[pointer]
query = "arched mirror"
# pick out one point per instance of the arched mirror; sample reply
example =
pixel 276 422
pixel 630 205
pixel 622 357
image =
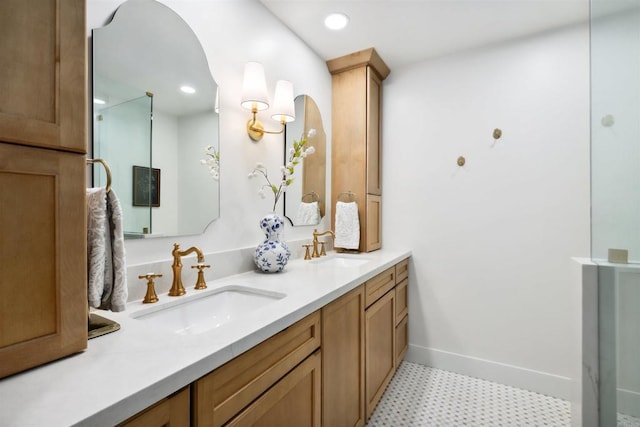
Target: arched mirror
pixel 155 114
pixel 305 199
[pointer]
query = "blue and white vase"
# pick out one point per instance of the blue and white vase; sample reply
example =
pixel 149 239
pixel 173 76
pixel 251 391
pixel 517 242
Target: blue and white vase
pixel 272 255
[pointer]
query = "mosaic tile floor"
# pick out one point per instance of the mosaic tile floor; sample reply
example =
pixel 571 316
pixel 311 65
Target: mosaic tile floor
pixel 420 396
pixel 423 396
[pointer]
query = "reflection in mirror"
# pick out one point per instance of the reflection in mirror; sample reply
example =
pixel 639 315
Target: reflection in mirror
pixel 304 201
pixel 154 116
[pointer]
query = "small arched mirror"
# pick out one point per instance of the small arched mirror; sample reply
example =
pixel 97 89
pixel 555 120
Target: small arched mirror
pixel 305 199
pixel 155 113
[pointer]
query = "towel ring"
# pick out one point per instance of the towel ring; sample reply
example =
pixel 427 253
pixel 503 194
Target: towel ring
pixel 106 168
pixel 351 197
pixel 313 195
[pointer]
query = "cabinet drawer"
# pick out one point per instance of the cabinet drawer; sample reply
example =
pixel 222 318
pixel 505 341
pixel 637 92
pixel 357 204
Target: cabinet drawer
pixel 402 300
pixel 381 284
pixel 172 411
pixel 402 270
pixel 402 339
pixel 293 401
pixel 225 392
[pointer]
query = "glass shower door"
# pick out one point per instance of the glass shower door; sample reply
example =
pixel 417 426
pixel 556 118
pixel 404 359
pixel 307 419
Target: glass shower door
pixel 615 204
pixel 123 132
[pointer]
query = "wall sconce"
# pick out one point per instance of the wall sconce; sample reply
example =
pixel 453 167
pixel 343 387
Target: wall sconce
pixel 255 98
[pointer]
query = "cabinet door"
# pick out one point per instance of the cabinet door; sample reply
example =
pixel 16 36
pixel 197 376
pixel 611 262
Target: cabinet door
pixel 374 157
pixel 293 401
pixel 402 339
pixel 170 412
pixel 373 235
pixel 402 300
pixel 43 291
pixel 379 348
pixel 343 361
pixel 43 73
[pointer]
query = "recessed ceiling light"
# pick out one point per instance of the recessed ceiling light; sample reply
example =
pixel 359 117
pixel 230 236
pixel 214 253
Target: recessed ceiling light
pixel 187 89
pixel 336 21
pixel 98 101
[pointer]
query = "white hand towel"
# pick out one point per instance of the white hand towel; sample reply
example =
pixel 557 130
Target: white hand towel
pixel 347 226
pixel 308 214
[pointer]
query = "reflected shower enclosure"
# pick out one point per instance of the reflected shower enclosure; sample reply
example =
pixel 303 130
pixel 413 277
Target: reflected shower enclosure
pixel 615 204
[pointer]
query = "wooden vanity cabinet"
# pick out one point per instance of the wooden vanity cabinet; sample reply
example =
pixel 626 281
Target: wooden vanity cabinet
pixel 265 382
pixel 43 105
pixel 173 411
pixel 355 142
pixel 343 361
pixel 330 368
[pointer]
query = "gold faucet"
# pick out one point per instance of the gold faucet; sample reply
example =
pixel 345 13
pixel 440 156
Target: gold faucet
pixel 177 288
pixel 317 254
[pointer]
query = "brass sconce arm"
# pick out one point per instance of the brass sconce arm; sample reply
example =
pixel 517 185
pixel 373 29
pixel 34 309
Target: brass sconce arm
pixel 256 129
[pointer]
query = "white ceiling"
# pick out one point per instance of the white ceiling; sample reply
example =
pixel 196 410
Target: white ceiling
pixel 409 31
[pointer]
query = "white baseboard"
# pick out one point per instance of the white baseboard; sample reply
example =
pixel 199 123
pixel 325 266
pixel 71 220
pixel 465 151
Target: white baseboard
pixel 540 382
pixel 629 402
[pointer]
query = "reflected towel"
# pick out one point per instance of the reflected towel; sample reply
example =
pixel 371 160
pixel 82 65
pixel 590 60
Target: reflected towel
pixel 347 226
pixel 308 214
pixel 107 280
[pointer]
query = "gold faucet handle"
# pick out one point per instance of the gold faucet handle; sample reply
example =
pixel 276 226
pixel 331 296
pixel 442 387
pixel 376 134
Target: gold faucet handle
pixel 200 283
pixel 323 252
pixel 307 252
pixel 150 296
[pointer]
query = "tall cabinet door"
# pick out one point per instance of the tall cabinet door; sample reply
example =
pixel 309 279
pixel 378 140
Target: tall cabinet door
pixel 343 361
pixel 43 73
pixel 43 296
pixel 43 128
pixel 379 348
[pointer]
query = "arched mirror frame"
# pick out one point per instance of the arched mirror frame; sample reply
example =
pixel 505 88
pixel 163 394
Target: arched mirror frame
pixel 310 184
pixel 180 188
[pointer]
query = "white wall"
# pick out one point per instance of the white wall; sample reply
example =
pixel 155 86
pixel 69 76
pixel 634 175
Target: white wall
pixel 492 241
pixel 233 32
pixel 490 275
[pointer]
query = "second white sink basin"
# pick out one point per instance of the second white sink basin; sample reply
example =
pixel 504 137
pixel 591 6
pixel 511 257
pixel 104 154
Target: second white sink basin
pixel 208 312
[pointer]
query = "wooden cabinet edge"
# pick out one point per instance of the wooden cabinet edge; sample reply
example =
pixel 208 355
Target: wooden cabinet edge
pixel 366 57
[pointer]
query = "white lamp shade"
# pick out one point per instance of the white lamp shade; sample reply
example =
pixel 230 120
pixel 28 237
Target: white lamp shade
pixel 254 87
pixel 284 108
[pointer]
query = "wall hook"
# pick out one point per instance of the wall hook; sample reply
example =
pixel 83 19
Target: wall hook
pixel 497 133
pixel 461 161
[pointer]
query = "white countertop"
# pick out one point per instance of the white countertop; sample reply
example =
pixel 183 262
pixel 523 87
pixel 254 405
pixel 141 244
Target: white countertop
pixel 123 372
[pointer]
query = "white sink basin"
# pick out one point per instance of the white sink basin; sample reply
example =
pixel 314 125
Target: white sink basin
pixel 209 311
pixel 342 261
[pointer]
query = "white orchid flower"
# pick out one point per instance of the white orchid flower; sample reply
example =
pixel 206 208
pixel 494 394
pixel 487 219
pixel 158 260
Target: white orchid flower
pixel 310 150
pixel 311 133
